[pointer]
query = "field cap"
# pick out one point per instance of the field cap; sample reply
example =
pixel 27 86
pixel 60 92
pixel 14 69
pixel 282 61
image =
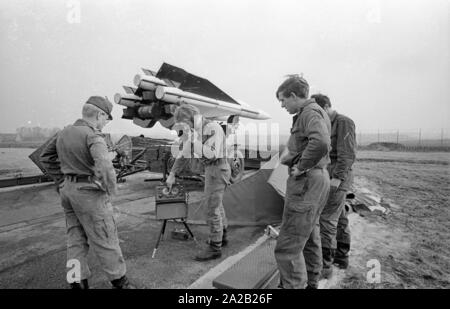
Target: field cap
pixel 186 112
pixel 102 103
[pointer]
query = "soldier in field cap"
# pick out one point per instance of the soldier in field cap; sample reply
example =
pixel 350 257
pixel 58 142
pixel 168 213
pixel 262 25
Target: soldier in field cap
pixel 102 103
pixel 77 157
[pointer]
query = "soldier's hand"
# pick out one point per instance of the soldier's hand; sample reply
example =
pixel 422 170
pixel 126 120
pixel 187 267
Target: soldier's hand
pixel 335 183
pixel 112 155
pixel 58 183
pixel 170 180
pixel 295 172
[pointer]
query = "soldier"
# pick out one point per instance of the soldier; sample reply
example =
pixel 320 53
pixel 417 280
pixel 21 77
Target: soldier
pixel 298 248
pixel 205 139
pixel 86 181
pixel 334 230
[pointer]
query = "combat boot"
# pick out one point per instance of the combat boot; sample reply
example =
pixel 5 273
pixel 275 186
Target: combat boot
pixel 327 272
pixel 342 264
pixel 211 252
pixel 224 238
pixel 83 285
pixel 121 283
pixel 341 256
pixel 327 258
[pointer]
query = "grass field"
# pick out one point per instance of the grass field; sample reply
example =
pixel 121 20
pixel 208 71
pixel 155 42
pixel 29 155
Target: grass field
pixel 412 242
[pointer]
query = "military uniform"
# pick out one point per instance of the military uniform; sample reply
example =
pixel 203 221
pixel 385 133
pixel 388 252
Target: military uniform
pixel 217 178
pixel 334 230
pixel 298 248
pixel 79 154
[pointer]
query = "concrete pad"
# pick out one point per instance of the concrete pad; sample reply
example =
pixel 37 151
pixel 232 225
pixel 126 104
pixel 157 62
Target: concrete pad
pixel 33 241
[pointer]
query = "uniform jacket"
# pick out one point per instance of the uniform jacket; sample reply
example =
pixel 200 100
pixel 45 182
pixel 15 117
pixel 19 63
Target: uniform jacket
pixel 309 143
pixel 80 149
pixel 343 146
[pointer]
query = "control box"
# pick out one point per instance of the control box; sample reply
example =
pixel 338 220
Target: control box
pixel 171 204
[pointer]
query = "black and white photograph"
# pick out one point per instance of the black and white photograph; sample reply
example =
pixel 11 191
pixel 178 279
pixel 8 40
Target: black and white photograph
pixel 224 149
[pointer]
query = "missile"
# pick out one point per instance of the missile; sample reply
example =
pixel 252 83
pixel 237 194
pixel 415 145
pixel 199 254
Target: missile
pixel 177 96
pixel 128 100
pixel 147 82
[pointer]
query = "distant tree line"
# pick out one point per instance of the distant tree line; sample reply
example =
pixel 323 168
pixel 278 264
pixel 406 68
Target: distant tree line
pixel 34 134
pixel 386 146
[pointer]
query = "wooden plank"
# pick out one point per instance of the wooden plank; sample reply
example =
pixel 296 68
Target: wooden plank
pixel 256 270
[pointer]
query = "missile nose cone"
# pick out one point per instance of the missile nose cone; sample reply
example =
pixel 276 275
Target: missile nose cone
pixel 117 98
pixel 263 115
pixel 137 80
pixel 159 92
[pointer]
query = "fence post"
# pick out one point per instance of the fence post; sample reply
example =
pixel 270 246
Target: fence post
pixel 420 137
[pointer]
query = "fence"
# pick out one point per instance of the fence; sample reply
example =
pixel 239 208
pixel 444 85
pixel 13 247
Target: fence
pixel 413 140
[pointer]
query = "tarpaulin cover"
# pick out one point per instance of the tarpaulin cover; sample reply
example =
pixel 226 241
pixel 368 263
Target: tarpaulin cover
pixel 279 177
pixel 253 201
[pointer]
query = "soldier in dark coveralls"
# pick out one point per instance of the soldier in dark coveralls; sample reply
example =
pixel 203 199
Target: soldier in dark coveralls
pixel 298 250
pixel 334 230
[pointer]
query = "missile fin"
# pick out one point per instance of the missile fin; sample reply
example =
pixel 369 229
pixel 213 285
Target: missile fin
pixel 129 90
pixel 149 72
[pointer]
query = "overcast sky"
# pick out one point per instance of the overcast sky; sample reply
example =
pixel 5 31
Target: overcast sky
pixel 383 63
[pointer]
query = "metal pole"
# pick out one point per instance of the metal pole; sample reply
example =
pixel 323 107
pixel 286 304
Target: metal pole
pixel 378 136
pixel 397 136
pixel 442 137
pixel 420 137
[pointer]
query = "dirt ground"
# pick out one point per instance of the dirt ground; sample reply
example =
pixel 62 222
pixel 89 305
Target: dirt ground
pixel 411 243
